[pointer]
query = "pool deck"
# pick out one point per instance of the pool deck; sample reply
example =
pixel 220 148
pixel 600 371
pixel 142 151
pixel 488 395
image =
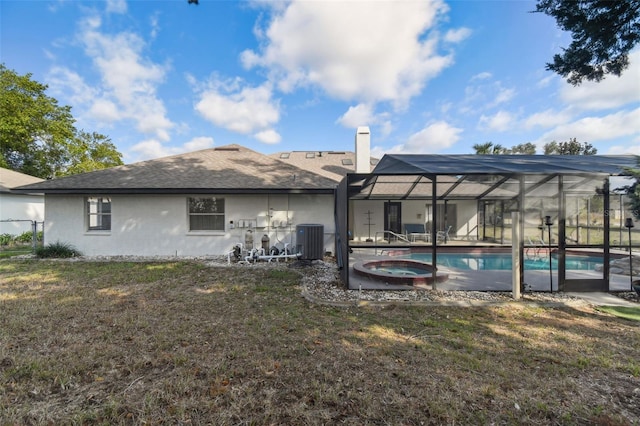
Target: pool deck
pixel 489 280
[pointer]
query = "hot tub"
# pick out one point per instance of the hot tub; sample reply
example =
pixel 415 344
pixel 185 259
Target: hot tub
pixel 398 271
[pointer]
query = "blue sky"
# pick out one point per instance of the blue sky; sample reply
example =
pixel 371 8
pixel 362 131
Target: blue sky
pixel 434 77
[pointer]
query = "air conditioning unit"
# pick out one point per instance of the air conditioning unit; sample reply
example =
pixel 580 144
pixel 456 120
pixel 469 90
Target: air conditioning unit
pixel 310 241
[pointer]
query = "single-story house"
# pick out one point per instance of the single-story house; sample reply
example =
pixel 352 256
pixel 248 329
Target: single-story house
pixel 195 204
pixel 207 202
pixel 18 211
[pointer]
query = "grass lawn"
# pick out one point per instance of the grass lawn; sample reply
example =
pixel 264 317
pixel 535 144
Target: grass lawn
pixel 184 343
pixel 631 313
pixel 15 251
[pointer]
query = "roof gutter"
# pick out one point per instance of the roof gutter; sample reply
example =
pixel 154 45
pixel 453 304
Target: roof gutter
pixel 173 191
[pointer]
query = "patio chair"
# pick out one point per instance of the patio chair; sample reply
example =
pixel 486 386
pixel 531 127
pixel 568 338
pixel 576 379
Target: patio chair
pixel 443 235
pixel 415 231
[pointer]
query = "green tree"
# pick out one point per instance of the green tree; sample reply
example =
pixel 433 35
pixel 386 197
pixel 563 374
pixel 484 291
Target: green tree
pixel 523 148
pixel 38 136
pixel 488 148
pixel 92 151
pixel 572 147
pixel 603 33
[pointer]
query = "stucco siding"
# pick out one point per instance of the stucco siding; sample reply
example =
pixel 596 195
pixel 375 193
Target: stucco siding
pixel 22 207
pixel 159 225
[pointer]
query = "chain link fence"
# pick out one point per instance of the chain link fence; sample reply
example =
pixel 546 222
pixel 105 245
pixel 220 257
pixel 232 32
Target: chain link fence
pixel 33 237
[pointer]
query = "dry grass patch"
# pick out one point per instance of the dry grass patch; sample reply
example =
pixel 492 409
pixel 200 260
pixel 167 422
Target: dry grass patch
pixel 180 342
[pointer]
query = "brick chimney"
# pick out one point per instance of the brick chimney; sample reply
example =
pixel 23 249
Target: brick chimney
pixel 363 150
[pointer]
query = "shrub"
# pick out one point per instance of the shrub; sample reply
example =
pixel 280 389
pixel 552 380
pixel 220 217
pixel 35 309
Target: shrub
pixel 5 239
pixel 25 237
pixel 57 250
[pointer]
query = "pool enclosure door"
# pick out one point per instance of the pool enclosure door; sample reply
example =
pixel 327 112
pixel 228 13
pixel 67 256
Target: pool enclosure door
pixel 393 217
pixel 585 226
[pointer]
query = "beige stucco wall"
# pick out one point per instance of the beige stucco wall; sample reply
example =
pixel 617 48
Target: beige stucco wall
pixel 158 225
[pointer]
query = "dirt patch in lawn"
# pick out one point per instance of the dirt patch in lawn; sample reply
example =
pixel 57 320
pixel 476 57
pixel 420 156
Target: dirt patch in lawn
pixel 187 342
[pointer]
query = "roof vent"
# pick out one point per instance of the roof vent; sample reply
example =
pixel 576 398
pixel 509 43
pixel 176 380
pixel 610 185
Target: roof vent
pixel 227 148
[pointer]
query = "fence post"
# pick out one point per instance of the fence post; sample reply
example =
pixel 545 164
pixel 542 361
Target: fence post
pixel 34 235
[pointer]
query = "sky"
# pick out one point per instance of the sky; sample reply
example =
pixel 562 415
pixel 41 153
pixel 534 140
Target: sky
pixel 430 77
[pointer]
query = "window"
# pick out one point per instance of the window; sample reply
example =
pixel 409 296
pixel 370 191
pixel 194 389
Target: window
pixel 206 214
pixel 99 214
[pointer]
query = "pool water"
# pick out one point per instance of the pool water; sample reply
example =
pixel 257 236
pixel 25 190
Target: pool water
pixel 502 261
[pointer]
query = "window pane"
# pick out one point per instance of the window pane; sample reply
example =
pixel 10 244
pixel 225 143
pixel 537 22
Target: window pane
pixel 99 213
pixel 206 205
pixel 206 214
pixel 206 223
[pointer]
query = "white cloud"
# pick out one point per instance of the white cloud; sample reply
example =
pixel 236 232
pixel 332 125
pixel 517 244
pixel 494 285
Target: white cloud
pixel 359 115
pixel 435 137
pixel 482 76
pixel 456 36
pixel 64 82
pixel 547 118
pixel 481 94
pixel 593 129
pixel 546 81
pixel 116 6
pixel 612 92
pixel 268 136
pixel 364 115
pixel 198 143
pixel 153 148
pixel 385 128
pixel 499 122
pixel 504 95
pixel 243 110
pixel 128 86
pixel 104 110
pixel 624 149
pixel 353 50
pixel 154 22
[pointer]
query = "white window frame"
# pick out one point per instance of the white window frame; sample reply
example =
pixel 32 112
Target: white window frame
pixel 191 214
pixel 96 219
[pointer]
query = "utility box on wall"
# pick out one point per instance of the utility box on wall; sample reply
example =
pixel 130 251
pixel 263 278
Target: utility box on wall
pixel 310 241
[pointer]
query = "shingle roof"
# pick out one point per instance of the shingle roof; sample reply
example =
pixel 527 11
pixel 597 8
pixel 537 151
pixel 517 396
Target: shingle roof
pixel 10 179
pixel 331 164
pixel 229 168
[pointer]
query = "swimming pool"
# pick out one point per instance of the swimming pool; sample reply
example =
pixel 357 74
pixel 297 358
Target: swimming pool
pixel 502 261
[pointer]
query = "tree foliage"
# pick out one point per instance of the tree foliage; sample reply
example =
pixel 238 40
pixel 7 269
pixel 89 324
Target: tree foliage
pixel 603 33
pixel 488 148
pixel 571 147
pixel 38 136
